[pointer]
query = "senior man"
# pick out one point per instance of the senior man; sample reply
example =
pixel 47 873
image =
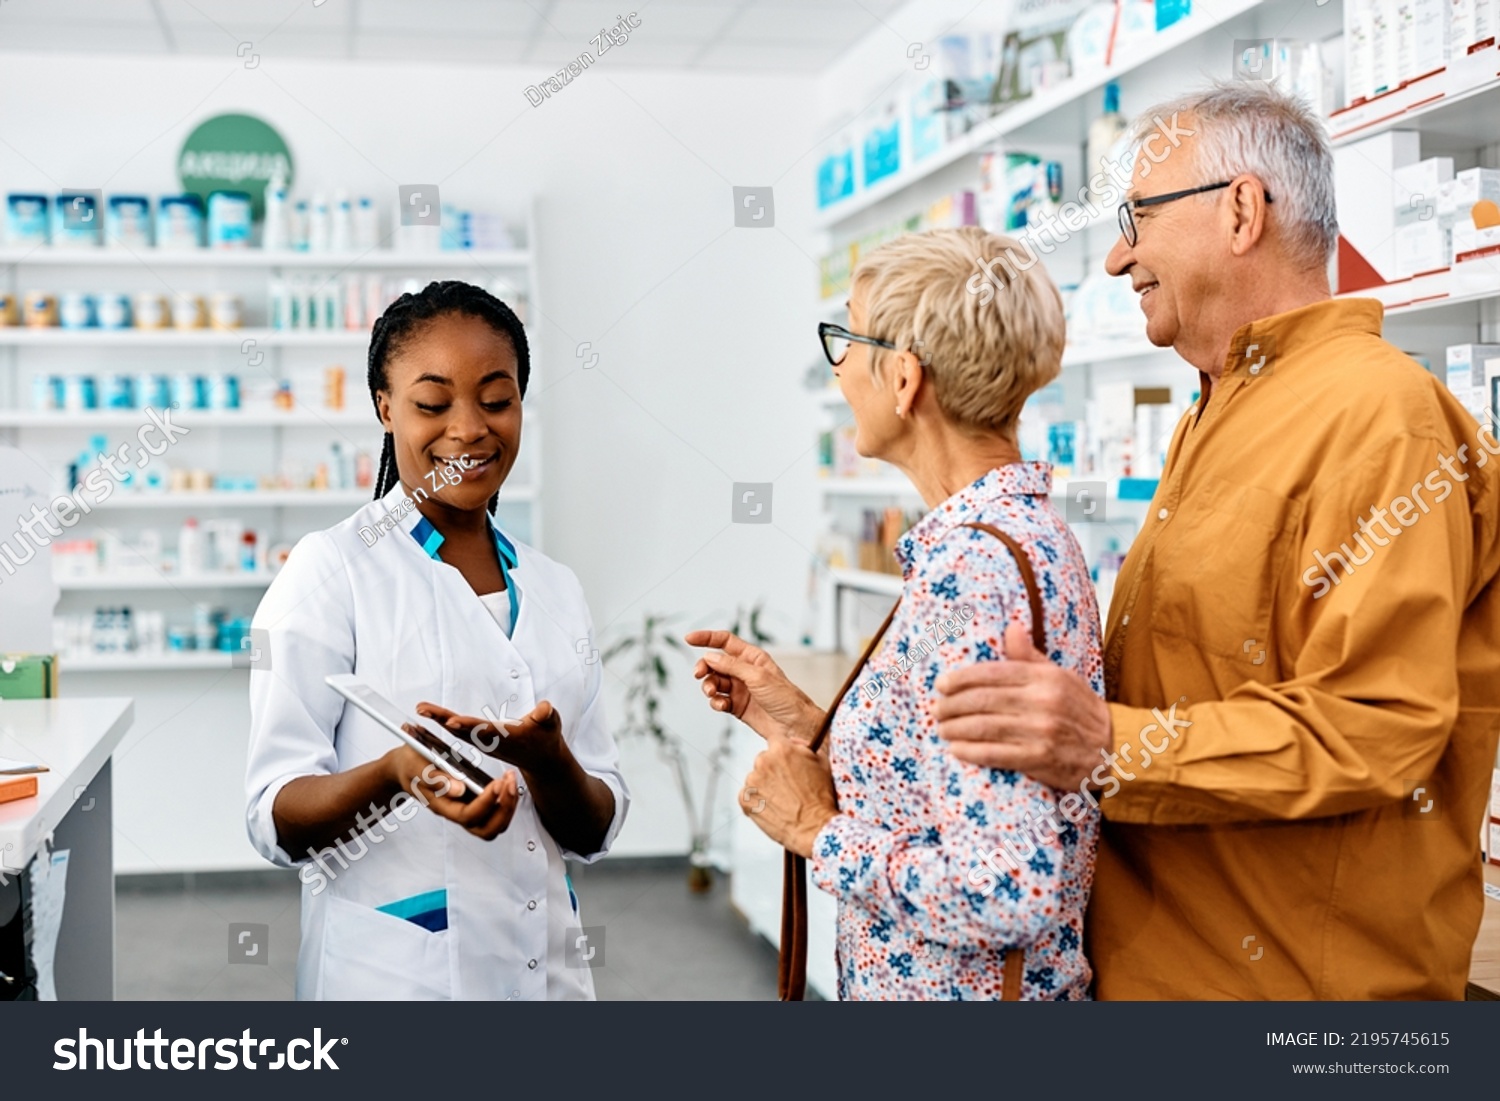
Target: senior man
pixel 1302 657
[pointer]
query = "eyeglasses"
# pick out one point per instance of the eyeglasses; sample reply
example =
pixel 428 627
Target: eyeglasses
pixel 836 340
pixel 1129 206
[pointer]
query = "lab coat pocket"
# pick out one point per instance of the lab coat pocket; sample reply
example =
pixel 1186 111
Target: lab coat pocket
pixel 371 956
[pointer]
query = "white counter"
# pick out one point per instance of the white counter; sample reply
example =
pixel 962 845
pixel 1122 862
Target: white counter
pixel 74 804
pixel 73 738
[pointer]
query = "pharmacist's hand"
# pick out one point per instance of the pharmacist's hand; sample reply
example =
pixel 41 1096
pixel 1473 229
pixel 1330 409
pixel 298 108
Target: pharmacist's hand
pixel 486 815
pixel 1025 714
pixel 742 680
pixel 534 743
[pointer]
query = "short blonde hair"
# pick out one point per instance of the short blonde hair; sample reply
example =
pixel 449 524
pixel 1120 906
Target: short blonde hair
pixel 989 332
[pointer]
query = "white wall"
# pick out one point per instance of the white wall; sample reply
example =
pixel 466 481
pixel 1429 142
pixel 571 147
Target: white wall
pixel 702 332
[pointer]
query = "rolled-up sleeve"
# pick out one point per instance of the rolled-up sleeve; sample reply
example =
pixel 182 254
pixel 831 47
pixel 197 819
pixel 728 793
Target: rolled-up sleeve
pixel 594 748
pixel 303 631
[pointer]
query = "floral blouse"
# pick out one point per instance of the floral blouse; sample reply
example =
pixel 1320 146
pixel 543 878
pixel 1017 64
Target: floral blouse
pixel 939 866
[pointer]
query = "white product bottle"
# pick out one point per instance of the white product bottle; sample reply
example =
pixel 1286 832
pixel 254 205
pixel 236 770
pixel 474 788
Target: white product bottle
pixel 329 311
pixel 366 224
pixel 297 228
pixel 190 548
pixel 273 234
pixel 1104 132
pixel 341 234
pixel 318 224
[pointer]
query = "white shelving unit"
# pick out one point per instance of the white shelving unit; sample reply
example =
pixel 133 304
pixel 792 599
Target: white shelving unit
pixel 254 440
pixel 449 260
pixel 1421 318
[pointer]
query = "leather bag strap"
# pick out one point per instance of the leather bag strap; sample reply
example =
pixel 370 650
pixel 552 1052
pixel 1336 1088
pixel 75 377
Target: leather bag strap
pixel 791 981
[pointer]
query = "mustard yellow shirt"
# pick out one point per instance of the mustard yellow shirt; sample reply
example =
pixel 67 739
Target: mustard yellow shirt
pixel 1313 591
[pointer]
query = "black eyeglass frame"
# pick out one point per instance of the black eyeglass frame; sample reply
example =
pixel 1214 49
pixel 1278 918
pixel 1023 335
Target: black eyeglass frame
pixel 1126 210
pixel 829 328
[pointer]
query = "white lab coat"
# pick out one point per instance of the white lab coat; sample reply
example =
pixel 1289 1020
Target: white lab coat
pixel 411 626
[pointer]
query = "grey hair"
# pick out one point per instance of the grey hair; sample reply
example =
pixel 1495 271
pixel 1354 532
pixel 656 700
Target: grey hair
pixel 1251 126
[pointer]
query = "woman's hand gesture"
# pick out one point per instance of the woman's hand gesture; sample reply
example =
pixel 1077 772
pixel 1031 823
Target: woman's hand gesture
pixel 742 680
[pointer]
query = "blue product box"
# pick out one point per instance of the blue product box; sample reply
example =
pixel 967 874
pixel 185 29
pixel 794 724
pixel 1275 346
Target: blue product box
pixel 27 219
pixel 128 221
pixel 77 219
pixel 179 222
pixel 1170 11
pixel 835 177
pixel 882 148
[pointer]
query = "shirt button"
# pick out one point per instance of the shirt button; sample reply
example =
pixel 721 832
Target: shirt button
pixel 530 846
pixel 1124 620
pixel 1162 515
pixel 531 964
pixel 531 905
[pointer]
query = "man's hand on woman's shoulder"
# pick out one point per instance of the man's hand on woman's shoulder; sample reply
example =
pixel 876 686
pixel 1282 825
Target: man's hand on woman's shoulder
pixel 1024 714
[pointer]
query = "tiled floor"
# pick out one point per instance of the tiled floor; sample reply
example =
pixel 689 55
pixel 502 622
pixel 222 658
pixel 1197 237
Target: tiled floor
pixel 661 942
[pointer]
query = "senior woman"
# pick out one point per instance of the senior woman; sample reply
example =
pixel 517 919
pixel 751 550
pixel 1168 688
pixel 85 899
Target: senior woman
pixel 952 881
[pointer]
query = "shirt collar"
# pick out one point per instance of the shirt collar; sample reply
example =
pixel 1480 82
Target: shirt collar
pixel 1024 479
pixel 428 537
pixel 1257 349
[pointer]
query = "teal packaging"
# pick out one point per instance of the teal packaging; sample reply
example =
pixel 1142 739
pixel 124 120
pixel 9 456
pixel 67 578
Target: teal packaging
pixel 78 220
pixel 229 219
pixel 128 221
pixel 179 222
pixel 26 219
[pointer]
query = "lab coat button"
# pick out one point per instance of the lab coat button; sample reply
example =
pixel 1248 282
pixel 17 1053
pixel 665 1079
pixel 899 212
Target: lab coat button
pixel 515 674
pixel 530 846
pixel 515 993
pixel 531 964
pixel 531 905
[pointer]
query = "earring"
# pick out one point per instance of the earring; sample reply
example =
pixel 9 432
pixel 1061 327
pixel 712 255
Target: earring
pixel 898 411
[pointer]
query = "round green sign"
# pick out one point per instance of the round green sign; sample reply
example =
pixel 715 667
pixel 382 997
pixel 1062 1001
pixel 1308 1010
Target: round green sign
pixel 234 153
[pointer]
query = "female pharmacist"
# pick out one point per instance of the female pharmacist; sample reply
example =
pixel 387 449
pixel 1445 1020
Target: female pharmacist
pixel 422 595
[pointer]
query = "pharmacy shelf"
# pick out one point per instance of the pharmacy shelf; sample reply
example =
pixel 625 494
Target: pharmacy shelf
pixel 867 487
pixel 226 498
pixel 1104 351
pixel 377 259
pixel 866 581
pixel 116 583
pixel 267 498
pixel 192 418
pixel 183 338
pixel 1449 121
pixel 171 661
pixel 1036 109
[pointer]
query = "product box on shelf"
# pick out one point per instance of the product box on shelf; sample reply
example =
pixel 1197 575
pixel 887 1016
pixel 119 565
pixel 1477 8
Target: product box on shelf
pixel 1367 215
pixel 1034 50
pixel 926 119
pixel 882 143
pixel 1423 242
pixel 1475 199
pixel 77 221
pixel 836 169
pixel 1466 374
pixel 968 66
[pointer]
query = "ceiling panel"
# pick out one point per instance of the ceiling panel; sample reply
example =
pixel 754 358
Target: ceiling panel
pixel 496 18
pixel 469 50
pixel 742 35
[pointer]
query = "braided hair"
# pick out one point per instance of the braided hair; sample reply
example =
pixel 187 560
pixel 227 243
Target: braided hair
pixel 409 313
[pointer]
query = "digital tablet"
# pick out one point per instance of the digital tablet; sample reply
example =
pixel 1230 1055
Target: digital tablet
pixel 428 744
